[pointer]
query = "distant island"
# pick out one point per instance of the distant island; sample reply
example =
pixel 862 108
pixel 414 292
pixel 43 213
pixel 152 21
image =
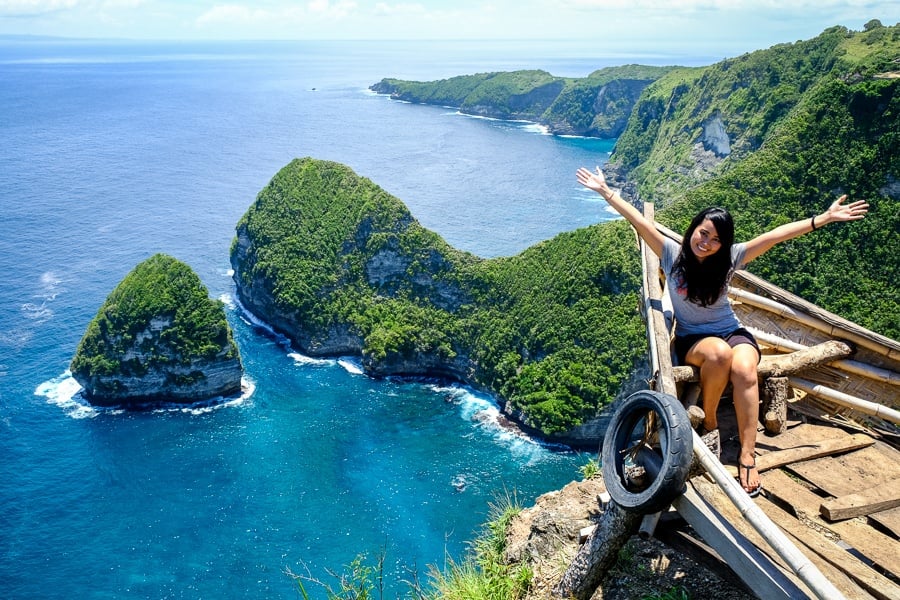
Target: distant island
pixel 158 338
pixel 595 106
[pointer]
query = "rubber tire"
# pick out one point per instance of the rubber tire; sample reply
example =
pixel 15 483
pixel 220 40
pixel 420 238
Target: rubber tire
pixel 674 453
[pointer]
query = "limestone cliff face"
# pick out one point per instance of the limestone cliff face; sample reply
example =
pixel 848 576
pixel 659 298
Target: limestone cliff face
pixel 363 249
pixel 339 266
pixel 158 338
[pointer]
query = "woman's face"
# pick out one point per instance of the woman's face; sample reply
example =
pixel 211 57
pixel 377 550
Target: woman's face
pixel 705 240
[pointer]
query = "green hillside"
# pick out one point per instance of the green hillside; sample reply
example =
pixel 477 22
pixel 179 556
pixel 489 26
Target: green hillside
pixel 327 256
pixel 807 122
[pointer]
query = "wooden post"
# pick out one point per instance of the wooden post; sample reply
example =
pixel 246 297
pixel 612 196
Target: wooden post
pixel 776 394
pixel 598 554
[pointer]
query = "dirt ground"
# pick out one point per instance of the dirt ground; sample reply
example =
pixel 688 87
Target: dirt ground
pixel 546 537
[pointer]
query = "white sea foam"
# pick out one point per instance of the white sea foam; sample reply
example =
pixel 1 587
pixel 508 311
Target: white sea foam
pixel 37 312
pixel 254 321
pixel 351 365
pixel 64 392
pixel 484 412
pixel 228 300
pixel 302 359
pixel 248 386
pixel 536 128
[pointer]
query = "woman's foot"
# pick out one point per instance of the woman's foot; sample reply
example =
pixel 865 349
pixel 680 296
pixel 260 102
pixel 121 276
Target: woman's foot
pixel 748 477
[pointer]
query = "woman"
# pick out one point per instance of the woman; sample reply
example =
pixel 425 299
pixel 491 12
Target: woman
pixel 707 332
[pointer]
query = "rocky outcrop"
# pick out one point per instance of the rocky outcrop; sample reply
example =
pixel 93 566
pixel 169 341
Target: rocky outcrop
pixel 546 537
pixel 158 338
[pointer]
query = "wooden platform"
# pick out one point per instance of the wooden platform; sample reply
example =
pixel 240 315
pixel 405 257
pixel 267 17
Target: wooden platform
pixel 860 555
pixel 831 476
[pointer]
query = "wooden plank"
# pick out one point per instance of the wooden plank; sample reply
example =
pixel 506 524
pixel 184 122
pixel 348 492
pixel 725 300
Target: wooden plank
pixel 742 555
pixel 842 475
pixel 875 584
pixel 672 531
pixel 809 451
pixel 875 499
pixel 797 436
pixel 724 487
pixel 877 547
pixel 813 450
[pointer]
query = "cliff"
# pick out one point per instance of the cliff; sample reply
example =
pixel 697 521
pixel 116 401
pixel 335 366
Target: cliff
pixel 341 267
pixel 774 136
pixel 596 106
pixel 158 338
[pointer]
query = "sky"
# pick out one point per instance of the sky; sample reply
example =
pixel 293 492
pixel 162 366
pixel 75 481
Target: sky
pixel 727 26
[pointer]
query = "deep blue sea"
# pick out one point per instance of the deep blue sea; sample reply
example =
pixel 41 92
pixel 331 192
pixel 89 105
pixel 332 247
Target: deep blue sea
pixel 113 151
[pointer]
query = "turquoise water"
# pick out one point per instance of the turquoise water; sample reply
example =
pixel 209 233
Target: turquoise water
pixel 112 152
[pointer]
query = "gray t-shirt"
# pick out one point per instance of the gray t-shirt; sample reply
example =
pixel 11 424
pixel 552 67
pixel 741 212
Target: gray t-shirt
pixel 690 318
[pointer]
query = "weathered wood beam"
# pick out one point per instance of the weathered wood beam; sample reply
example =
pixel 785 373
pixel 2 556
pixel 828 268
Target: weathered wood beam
pixel 598 554
pixel 808 573
pixel 875 499
pixel 810 451
pixel 868 578
pixel 878 547
pixel 778 365
pixel 776 395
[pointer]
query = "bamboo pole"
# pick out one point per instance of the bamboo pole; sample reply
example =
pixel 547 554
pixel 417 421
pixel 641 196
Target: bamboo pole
pixel 808 573
pixel 864 406
pixel 787 312
pixel 657 331
pixel 850 366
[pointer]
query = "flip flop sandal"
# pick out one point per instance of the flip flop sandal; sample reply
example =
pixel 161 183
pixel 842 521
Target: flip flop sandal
pixel 755 491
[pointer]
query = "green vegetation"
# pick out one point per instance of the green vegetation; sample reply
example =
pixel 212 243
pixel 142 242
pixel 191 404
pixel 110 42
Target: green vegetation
pixel 482 574
pixel 597 105
pixel 807 122
pixel 161 294
pixel 554 331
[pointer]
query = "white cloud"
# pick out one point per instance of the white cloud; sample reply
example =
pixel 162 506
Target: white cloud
pixel 31 8
pixel 336 10
pixel 232 13
pixel 386 9
pixel 674 6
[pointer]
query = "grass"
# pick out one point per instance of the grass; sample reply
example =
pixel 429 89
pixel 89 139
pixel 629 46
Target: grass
pixel 481 575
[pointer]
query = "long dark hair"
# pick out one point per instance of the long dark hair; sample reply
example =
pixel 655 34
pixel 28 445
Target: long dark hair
pixel 706 281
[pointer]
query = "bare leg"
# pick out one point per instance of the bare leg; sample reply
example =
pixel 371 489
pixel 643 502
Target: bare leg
pixel 713 356
pixel 745 384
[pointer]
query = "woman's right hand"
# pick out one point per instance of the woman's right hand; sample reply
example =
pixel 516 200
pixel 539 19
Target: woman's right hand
pixel 594 181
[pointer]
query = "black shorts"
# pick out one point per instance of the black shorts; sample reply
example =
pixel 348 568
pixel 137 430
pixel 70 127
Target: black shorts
pixel 683 343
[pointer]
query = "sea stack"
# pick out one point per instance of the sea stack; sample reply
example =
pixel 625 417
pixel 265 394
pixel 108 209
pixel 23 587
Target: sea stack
pixel 159 337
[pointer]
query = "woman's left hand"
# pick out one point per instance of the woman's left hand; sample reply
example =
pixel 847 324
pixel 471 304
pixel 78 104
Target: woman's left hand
pixel 838 211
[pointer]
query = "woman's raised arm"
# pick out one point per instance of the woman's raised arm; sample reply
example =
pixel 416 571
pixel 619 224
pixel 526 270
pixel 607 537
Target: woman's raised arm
pixel 647 230
pixel 837 212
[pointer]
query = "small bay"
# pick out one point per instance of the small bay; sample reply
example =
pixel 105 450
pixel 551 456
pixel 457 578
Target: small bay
pixel 114 151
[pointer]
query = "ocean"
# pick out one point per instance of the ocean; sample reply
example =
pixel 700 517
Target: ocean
pixel 113 151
